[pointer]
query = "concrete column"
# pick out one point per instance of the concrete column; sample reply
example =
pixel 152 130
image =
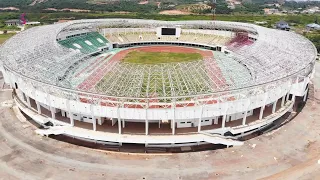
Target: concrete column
pixel 28 101
pixel 282 101
pixel 123 123
pixel 53 114
pixel 173 126
pixel 244 119
pixel 305 95
pixel 70 113
pixel 147 122
pixel 274 106
pixel 159 124
pixel 38 107
pixel 293 99
pixel 215 120
pixel 200 119
pixel 147 127
pixel 227 118
pixel 224 121
pixel 119 125
pixel 263 107
pixel 119 120
pixel 94 123
pixel 261 112
pixel 71 118
pixel 99 120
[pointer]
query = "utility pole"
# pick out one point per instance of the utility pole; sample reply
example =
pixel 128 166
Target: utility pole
pixel 213 9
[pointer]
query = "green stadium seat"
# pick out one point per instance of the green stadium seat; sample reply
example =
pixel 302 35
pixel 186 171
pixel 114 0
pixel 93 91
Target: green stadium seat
pixel 95 39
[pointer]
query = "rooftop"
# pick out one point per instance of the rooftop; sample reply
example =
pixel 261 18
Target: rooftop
pixel 270 59
pixel 13 21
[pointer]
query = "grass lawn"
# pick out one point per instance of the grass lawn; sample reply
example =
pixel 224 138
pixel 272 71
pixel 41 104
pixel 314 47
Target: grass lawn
pixel 160 57
pixel 4 37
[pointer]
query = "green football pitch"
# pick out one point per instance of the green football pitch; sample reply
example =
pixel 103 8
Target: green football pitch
pixel 141 57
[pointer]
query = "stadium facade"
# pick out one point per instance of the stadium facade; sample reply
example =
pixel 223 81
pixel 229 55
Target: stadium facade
pixel 70 78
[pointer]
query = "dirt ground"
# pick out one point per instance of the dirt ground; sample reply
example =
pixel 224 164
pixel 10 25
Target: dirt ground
pixel 174 12
pixel 290 152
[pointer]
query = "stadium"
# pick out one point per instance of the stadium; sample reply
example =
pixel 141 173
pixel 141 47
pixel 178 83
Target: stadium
pixel 157 83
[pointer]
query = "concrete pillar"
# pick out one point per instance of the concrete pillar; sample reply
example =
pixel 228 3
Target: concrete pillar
pixel 261 112
pixel 53 114
pixel 119 125
pixel 147 123
pixel 119 120
pixel 38 107
pixel 93 119
pixel 28 101
pixel 244 119
pixel 99 120
pixel 199 124
pixel 123 123
pixel 147 127
pixel 173 126
pixel 224 121
pixel 71 118
pixel 305 95
pixel 200 119
pixel 293 99
pixel 228 118
pixel 216 120
pixel 274 106
pixel 282 101
pixel 159 124
pixel 94 123
pixel 70 114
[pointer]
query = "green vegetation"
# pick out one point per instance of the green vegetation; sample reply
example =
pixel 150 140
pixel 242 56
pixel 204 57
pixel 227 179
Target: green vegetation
pixel 4 37
pixel 221 8
pixel 300 4
pixel 159 57
pixel 15 3
pixel 249 8
pixel 3 27
pixel 315 38
pixel 297 21
pixel 48 18
pixel 108 6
